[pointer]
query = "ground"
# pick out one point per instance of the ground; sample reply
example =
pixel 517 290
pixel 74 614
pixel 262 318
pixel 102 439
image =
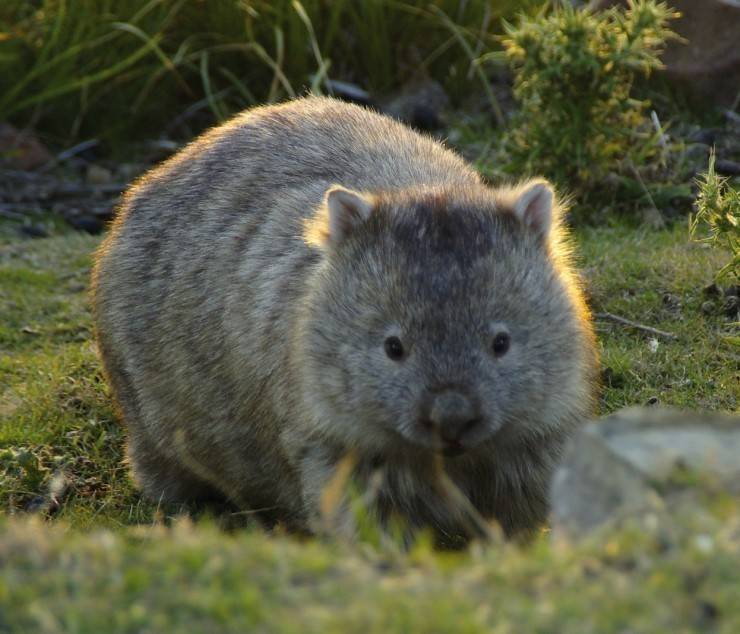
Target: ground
pixel 61 458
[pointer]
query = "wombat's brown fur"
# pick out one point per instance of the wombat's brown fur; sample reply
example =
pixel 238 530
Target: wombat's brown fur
pixel 313 279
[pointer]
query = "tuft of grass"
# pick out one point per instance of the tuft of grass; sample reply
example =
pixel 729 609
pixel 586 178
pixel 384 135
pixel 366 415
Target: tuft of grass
pixel 125 69
pixel 718 214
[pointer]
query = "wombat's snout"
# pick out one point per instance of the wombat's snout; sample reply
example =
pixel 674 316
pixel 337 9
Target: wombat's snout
pixel 450 415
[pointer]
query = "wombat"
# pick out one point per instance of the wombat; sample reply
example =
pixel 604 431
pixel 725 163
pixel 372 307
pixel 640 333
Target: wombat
pixel 312 280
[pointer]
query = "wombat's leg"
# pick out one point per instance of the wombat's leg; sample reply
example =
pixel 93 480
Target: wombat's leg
pixel 324 489
pixel 160 477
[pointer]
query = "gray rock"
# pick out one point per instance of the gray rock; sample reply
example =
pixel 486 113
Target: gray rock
pixel 98 175
pixel 21 149
pixel 706 61
pixel 420 104
pixel 639 460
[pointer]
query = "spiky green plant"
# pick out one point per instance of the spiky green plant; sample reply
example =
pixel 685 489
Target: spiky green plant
pixel 574 72
pixel 717 218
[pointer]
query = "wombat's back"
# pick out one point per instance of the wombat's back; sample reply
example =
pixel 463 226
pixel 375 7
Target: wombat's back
pixel 195 285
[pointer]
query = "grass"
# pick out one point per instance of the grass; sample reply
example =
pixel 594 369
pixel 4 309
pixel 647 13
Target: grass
pixel 680 576
pixel 54 410
pixel 118 70
pixel 658 278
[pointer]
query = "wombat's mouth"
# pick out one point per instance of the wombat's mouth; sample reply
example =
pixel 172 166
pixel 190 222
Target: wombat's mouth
pixel 418 439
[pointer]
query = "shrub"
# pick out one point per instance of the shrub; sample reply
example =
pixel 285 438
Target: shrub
pixel 718 214
pixel 574 72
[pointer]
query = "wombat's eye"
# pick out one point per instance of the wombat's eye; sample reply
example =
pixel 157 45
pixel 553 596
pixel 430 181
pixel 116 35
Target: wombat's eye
pixel 393 348
pixel 501 343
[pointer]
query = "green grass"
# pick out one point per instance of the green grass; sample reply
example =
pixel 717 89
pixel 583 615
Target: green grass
pixel 652 576
pixel 657 278
pixel 55 414
pixel 125 69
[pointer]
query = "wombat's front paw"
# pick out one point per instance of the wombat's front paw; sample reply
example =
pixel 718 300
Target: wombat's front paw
pixel 325 481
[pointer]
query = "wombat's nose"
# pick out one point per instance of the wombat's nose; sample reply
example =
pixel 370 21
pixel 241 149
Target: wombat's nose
pixel 450 414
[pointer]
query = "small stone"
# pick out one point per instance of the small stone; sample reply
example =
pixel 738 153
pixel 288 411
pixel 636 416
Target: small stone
pixel 98 175
pixel 697 153
pixel 88 224
pixel 419 104
pixel 653 345
pixel 704 543
pixel 731 305
pixel 33 231
pixel 671 301
pixel 712 290
pixel 21 150
pixel 36 504
pixel 725 167
pixel 349 92
pixel 652 401
pixel 708 307
pixel 127 172
pixel 704 136
pixel 708 611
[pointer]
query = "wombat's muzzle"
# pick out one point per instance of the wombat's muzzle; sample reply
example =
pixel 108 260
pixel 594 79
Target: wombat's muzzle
pixel 449 416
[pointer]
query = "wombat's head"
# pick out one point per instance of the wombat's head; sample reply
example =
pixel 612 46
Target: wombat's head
pixel 443 320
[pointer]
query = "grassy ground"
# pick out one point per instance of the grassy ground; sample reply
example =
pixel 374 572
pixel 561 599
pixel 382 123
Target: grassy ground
pixel 657 577
pixel 56 417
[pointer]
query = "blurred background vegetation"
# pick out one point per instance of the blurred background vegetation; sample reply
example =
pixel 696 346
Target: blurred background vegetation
pixel 533 87
pixel 530 87
pixel 124 69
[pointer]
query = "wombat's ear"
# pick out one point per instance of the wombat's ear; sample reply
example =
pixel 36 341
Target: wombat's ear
pixel 533 206
pixel 346 209
pixel 341 212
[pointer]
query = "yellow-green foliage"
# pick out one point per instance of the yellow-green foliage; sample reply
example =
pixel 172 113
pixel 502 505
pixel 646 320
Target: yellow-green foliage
pixel 574 73
pixel 718 211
